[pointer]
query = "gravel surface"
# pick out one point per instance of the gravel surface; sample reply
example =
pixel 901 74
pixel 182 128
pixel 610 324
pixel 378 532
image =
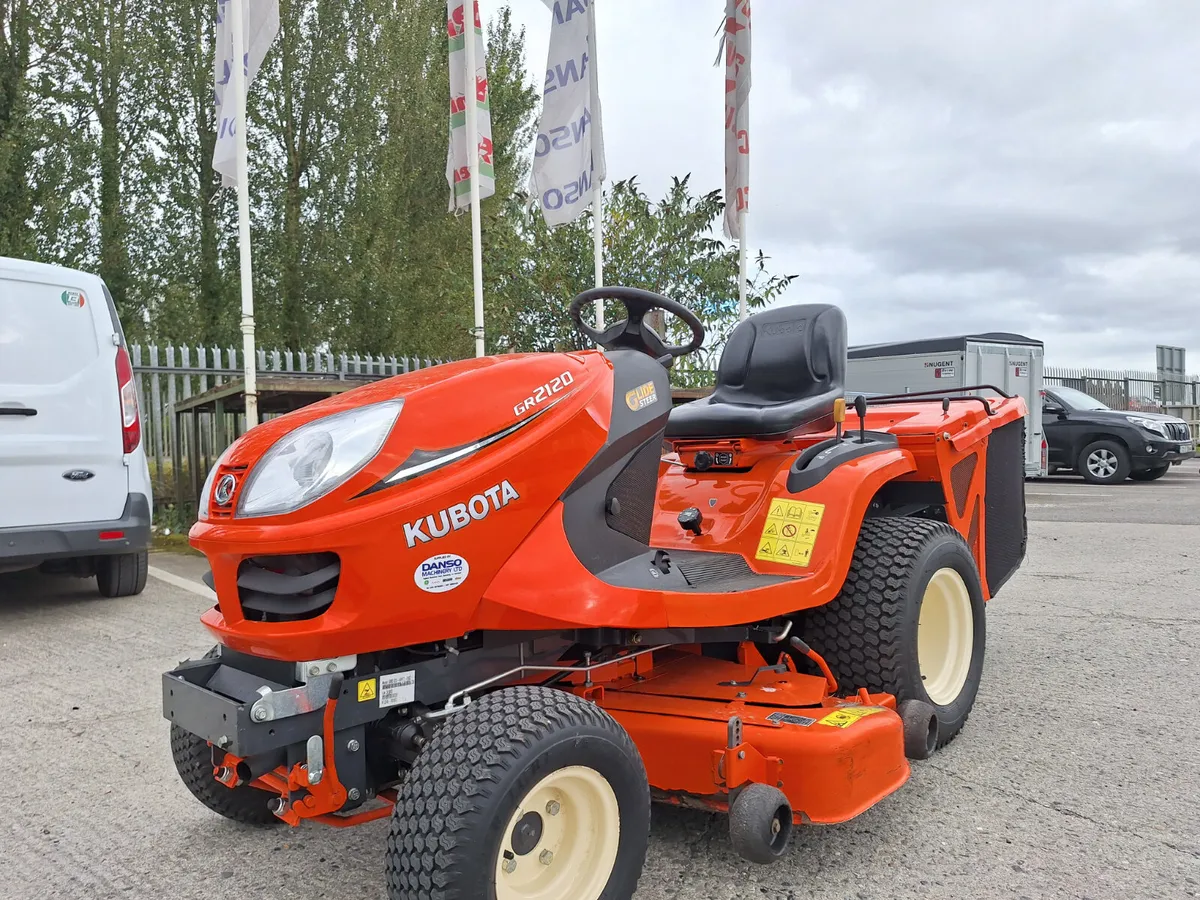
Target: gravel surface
pixel 1078 775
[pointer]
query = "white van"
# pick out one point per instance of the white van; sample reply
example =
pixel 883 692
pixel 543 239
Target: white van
pixel 74 485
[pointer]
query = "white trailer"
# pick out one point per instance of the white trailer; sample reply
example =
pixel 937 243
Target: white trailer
pixel 1011 362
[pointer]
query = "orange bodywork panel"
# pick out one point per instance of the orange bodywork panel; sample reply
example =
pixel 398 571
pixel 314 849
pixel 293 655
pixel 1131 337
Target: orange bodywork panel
pixel 524 575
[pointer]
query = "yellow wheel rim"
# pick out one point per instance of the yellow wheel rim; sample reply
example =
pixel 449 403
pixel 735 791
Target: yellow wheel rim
pixel 561 843
pixel 945 636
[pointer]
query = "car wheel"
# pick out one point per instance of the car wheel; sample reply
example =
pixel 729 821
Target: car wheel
pixel 1150 474
pixel 1104 462
pixel 123 575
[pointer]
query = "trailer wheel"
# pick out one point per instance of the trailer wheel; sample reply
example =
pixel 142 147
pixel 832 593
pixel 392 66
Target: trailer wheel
pixel 909 619
pixel 193 761
pixel 530 792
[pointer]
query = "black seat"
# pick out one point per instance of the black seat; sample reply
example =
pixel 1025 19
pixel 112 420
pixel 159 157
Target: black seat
pixel 779 373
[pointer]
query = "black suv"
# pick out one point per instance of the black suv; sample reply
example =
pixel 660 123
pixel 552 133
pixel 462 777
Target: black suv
pixel 1105 445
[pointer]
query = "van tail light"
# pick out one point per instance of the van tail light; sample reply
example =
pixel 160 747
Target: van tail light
pixel 131 426
pixel 1045 458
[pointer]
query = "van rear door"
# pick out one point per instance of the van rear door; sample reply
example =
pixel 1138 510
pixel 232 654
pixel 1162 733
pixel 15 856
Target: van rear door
pixel 61 445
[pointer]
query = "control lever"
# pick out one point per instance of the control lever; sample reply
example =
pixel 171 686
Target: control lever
pixel 860 407
pixel 839 416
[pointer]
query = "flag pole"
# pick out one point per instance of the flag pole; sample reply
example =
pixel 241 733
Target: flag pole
pixel 471 92
pixel 598 186
pixel 237 30
pixel 743 308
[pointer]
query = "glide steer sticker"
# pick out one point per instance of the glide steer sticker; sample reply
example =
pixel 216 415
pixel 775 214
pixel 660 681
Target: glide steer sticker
pixel 460 515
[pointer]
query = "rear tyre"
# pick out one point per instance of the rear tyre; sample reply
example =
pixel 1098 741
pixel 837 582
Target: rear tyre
pixel 193 762
pixel 1103 462
pixel 527 793
pixel 909 619
pixel 123 575
pixel 1150 474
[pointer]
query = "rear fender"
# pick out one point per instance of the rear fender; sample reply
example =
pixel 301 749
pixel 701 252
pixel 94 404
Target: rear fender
pixel 844 497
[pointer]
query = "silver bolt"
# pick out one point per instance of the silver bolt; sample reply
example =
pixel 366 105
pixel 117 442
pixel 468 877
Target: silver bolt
pixel 509 865
pixel 775 826
pixel 223 741
pixel 260 715
pixel 352 745
pixel 553 808
pixel 353 794
pixel 546 858
pixel 314 670
pixel 741 754
pixel 332 667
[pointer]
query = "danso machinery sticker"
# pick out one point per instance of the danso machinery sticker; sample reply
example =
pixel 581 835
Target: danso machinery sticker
pixel 641 396
pixel 441 573
pixel 848 715
pixel 790 532
pixel 73 298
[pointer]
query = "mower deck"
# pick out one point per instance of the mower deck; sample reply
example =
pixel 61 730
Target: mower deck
pixel 704 727
pixel 701 737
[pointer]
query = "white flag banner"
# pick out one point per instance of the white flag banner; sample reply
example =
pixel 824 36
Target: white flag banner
pixel 458 174
pixel 261 27
pixel 568 158
pixel 737 114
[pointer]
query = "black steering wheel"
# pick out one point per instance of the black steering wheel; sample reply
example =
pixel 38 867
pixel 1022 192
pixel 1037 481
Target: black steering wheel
pixel 631 332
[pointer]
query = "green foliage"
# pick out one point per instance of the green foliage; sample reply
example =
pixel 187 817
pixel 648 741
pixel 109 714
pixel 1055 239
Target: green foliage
pixel 669 247
pixel 106 140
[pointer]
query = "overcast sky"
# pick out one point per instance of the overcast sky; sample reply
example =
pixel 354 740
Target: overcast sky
pixel 939 167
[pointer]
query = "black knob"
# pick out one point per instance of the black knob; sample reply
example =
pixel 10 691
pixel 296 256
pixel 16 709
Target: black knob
pixel 690 520
pixel 703 460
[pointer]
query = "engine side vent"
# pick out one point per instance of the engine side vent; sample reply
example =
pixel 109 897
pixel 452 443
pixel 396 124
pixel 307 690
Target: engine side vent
pixel 633 490
pixel 1006 531
pixel 960 481
pixel 287 588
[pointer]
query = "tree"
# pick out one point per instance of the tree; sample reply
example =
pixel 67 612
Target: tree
pixel 17 23
pixel 667 247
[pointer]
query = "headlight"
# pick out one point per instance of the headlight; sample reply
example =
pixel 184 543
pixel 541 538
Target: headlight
pixel 316 458
pixel 1153 425
pixel 206 491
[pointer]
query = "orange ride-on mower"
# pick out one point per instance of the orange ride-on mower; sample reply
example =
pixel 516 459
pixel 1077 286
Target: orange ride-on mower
pixel 508 601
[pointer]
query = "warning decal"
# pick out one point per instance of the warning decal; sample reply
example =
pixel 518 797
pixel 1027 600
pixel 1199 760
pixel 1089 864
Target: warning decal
pixel 790 533
pixel 848 715
pixel 366 690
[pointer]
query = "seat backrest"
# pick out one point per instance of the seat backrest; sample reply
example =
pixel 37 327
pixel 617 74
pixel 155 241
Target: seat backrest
pixel 782 355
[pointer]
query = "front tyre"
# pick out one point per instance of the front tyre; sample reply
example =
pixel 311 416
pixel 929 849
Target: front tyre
pixel 529 792
pixel 1150 474
pixel 193 762
pixel 1104 462
pixel 909 619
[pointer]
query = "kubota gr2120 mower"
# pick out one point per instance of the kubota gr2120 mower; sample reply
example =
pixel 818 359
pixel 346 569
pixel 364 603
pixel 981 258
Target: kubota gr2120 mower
pixel 508 601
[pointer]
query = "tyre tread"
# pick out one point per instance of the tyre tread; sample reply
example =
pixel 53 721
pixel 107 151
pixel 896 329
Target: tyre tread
pixel 859 631
pixel 458 771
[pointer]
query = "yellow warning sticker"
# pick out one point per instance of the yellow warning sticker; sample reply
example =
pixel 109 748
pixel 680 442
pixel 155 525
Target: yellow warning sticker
pixel 366 690
pixel 790 532
pixel 848 715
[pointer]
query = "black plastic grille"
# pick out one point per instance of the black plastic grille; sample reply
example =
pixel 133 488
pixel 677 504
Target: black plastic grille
pixel 287 588
pixel 960 480
pixel 1004 507
pixel 634 491
pixel 1177 431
